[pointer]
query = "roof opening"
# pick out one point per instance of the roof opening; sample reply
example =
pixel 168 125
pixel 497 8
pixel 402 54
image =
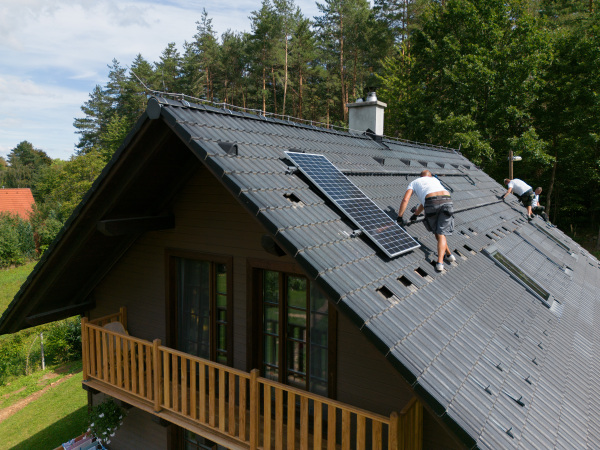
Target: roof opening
pixel 489 237
pixel 423 163
pixel 469 249
pixel 379 160
pixel 407 283
pixel 464 234
pixel 423 274
pixel 506 229
pixel 293 198
pixel 473 231
pixel 385 292
pixel 405 161
pixel 457 251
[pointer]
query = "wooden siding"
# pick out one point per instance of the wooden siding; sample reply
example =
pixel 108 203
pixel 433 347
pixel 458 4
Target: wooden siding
pixel 208 219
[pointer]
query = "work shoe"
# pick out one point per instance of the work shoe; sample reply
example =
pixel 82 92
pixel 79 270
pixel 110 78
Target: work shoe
pixel 530 217
pixel 449 258
pixel 439 267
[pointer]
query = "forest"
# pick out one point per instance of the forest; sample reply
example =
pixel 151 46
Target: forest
pixel 488 77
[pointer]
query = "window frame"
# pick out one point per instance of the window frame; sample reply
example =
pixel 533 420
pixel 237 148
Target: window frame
pixel 255 269
pixel 171 258
pixel 531 285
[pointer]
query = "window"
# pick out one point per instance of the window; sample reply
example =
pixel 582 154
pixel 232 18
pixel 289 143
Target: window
pixel 554 238
pixel 201 320
pixel 294 331
pixel 519 274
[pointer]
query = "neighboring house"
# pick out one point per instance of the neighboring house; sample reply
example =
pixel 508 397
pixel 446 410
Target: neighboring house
pixel 18 202
pixel 229 302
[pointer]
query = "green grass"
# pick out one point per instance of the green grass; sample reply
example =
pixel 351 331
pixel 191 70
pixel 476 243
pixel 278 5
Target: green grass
pixel 57 416
pixel 10 282
pixel 21 387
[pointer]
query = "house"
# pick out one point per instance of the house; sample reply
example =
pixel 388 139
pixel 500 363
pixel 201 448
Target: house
pixel 18 202
pixel 230 303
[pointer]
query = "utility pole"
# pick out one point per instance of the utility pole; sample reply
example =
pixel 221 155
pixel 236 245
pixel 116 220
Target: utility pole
pixel 42 344
pixel 510 164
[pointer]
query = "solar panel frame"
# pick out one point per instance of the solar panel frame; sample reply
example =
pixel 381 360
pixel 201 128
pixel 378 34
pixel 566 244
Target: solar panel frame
pixel 392 239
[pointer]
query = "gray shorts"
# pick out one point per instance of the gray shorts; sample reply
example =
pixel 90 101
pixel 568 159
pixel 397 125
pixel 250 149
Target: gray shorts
pixel 439 215
pixel 527 198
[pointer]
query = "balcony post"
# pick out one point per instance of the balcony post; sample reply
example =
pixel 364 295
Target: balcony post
pixel 123 314
pixel 411 425
pixel 394 430
pixel 156 375
pixel 84 348
pixel 254 409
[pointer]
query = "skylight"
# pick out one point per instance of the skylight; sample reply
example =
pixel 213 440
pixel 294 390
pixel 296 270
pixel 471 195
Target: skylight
pixel 525 279
pixel 554 238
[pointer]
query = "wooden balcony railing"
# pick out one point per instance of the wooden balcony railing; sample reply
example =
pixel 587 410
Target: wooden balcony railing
pixel 246 409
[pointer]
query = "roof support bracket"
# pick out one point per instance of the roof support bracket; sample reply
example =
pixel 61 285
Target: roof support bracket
pixel 121 227
pixel 59 313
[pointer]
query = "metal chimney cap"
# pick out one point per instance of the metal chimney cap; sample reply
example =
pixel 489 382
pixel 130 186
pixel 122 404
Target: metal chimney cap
pixel 359 100
pixel 372 97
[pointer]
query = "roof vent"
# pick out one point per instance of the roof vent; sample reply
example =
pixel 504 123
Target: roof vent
pixel 230 148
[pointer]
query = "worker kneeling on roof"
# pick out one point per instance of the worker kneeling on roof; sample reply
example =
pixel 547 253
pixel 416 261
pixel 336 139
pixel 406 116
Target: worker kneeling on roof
pixel 439 212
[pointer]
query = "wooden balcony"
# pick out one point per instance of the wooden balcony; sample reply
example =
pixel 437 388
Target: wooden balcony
pixel 231 407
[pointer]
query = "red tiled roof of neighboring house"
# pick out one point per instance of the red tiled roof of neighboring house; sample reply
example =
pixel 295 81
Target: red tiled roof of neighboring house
pixel 17 201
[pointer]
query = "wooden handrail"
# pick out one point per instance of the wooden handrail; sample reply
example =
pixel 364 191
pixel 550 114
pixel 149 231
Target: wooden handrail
pixel 233 402
pixel 325 400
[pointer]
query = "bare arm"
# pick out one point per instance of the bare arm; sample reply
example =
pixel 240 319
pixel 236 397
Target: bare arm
pixel 507 192
pixel 404 202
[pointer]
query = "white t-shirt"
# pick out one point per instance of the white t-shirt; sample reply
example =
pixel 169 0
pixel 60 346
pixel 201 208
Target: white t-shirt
pixel 534 202
pixel 519 187
pixel 425 185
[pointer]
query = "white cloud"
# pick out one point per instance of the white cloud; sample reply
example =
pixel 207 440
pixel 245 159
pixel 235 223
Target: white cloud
pixel 54 52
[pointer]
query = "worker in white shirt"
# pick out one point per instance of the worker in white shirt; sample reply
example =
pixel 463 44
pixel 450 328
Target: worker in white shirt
pixel 535 204
pixel 439 212
pixel 521 190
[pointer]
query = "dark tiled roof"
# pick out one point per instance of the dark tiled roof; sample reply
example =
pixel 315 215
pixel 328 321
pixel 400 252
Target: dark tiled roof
pixel 484 350
pixel 486 353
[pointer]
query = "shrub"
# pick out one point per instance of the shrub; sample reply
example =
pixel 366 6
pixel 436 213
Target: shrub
pixel 62 342
pixel 17 244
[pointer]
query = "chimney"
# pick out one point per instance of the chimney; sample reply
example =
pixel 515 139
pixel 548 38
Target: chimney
pixel 367 115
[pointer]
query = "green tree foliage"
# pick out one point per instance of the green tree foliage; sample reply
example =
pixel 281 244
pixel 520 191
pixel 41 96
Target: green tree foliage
pixel 485 76
pixel 568 109
pixel 24 164
pixel 17 244
pixel 65 183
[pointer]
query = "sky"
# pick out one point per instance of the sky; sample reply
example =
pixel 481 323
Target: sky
pixel 54 52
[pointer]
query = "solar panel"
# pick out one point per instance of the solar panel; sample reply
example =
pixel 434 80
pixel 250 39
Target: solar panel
pixel 360 209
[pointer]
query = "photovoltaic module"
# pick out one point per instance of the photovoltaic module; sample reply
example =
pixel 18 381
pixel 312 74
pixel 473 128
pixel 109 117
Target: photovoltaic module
pixel 360 209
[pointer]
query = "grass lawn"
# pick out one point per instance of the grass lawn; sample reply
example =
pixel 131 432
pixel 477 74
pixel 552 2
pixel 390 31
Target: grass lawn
pixel 11 281
pixel 21 387
pixel 45 423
